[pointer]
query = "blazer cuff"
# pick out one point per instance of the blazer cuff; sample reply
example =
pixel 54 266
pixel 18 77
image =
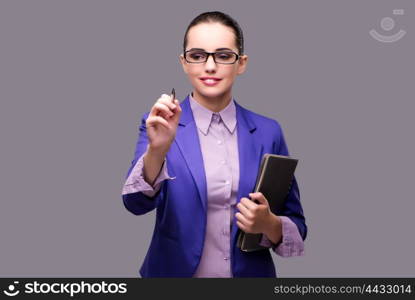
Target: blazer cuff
pixel 292 243
pixel 136 182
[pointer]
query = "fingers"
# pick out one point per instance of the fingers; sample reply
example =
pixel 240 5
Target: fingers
pixel 242 226
pixel 166 99
pixel 258 196
pixel 242 219
pixel 249 204
pixel 178 107
pixel 165 107
pixel 173 105
pixel 163 110
pixel 157 120
pixel 244 210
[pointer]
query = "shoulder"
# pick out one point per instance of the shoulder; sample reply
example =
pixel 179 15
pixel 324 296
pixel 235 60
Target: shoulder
pixel 267 129
pixel 261 122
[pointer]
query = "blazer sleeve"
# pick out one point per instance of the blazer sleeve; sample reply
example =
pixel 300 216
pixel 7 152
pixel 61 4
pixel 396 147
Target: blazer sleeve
pixel 293 208
pixel 137 183
pixel 139 203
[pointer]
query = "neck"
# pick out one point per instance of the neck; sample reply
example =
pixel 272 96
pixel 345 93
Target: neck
pixel 215 104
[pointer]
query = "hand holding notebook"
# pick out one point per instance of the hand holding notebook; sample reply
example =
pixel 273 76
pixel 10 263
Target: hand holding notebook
pixel 274 181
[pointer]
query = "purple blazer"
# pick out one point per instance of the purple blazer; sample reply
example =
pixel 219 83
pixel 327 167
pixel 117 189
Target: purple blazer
pixel 177 242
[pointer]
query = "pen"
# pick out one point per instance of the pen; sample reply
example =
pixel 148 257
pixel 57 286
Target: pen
pixel 173 92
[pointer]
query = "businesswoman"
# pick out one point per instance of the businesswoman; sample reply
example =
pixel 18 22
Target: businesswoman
pixel 196 163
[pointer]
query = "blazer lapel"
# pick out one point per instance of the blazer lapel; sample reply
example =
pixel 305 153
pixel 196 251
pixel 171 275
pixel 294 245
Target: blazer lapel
pixel 187 140
pixel 250 150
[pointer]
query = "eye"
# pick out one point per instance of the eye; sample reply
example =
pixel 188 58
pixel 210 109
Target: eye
pixel 224 55
pixel 197 55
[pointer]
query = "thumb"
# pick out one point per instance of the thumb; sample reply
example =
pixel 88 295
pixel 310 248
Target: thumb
pixel 259 197
pixel 177 111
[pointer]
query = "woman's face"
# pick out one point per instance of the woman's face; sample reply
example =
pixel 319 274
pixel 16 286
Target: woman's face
pixel 210 37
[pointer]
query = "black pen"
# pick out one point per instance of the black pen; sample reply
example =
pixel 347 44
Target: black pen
pixel 173 92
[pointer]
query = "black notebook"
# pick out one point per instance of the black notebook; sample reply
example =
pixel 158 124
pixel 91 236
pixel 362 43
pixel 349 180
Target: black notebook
pixel 274 181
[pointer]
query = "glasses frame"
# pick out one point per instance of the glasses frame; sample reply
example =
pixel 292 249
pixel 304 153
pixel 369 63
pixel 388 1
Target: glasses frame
pixel 209 54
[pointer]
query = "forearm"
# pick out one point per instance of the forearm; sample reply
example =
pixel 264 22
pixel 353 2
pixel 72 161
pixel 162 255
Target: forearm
pixel 153 161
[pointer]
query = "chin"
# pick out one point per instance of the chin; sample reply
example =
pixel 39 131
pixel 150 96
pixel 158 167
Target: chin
pixel 211 92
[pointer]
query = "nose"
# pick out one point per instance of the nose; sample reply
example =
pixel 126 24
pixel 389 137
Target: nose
pixel 210 64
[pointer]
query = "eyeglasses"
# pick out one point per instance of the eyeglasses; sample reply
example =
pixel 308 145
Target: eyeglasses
pixel 220 57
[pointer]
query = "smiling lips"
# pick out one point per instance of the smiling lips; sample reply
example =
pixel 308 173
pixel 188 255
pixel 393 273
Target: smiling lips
pixel 210 81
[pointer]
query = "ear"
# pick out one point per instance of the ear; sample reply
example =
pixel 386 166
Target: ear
pixel 183 63
pixel 243 61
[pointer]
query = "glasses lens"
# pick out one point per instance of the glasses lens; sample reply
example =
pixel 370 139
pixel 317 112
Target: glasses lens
pixel 225 57
pixel 196 56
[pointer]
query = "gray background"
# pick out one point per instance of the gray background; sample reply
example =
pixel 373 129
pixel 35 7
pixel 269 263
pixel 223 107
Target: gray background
pixel 76 76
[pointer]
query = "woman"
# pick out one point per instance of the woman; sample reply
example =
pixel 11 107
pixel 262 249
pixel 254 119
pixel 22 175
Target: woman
pixel 196 162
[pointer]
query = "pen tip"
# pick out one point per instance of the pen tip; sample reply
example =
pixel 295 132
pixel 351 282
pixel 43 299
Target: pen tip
pixel 173 95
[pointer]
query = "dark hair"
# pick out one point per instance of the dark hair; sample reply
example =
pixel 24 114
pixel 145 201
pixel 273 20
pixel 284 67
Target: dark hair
pixel 222 18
